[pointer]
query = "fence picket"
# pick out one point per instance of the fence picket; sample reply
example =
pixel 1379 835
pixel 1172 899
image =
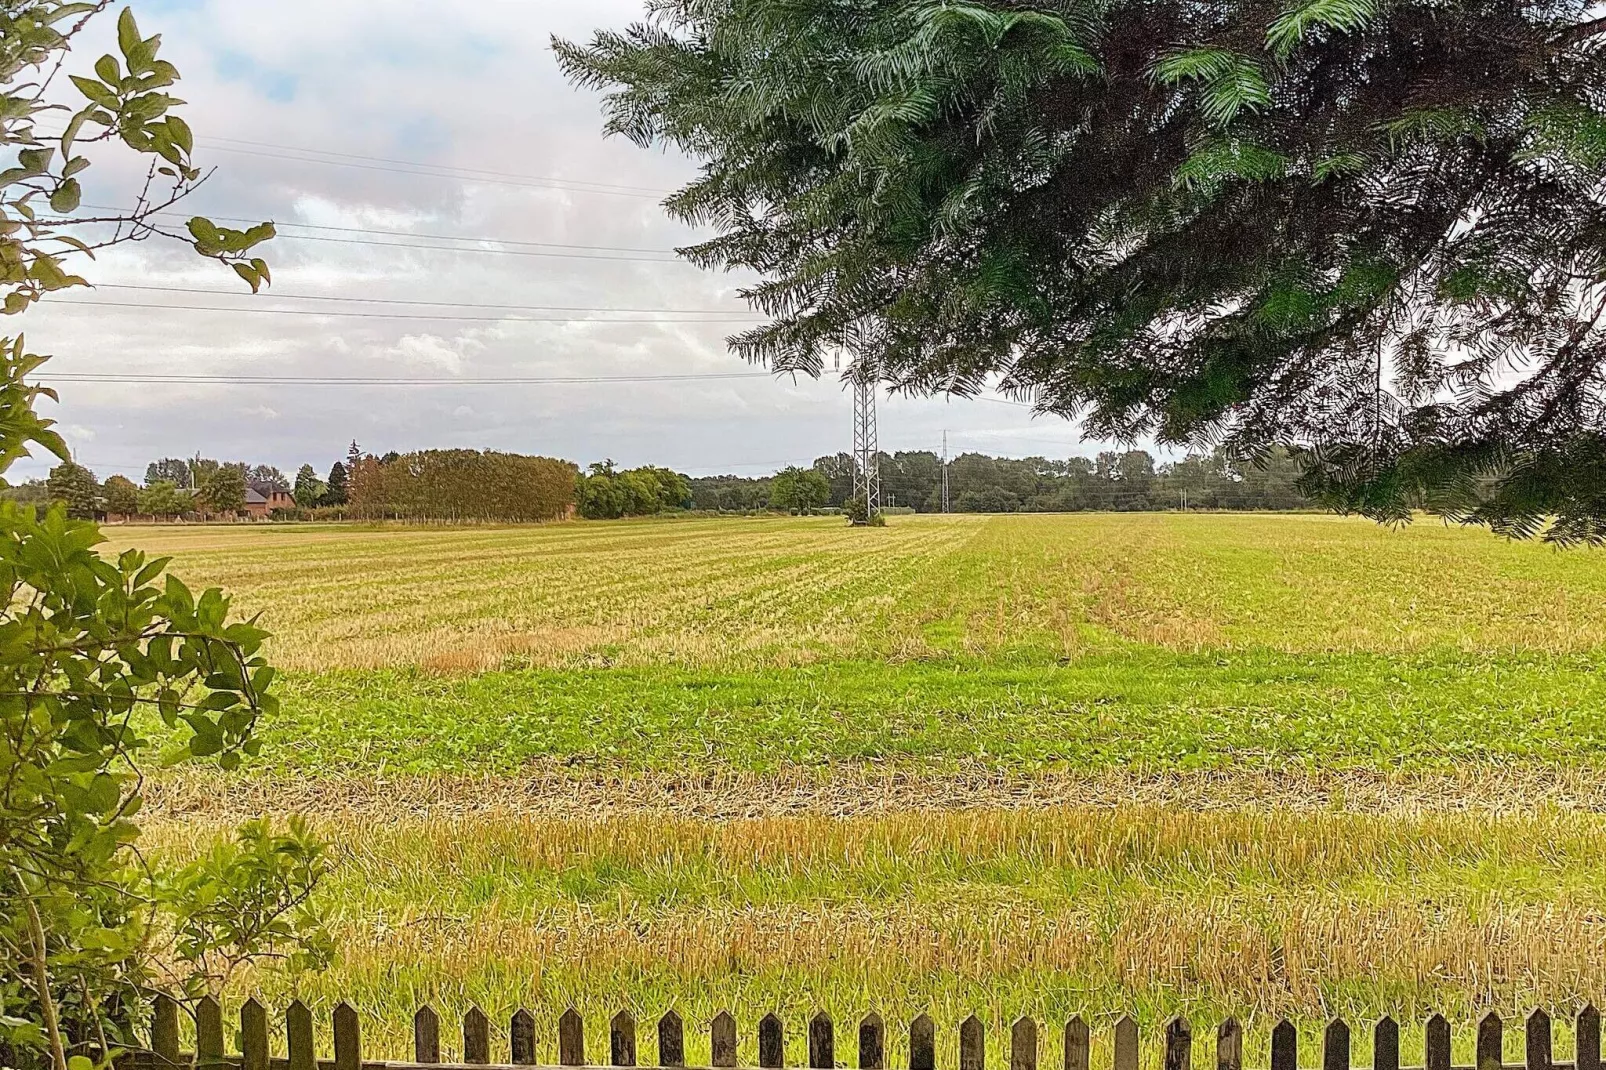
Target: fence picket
pixel 1284 1046
pixel 208 1032
pixel 1491 1042
pixel 972 1044
pixel 521 1038
pixel 1126 1044
pixel 771 1042
pixel 1536 1041
pixel 571 1039
pixel 722 1039
pixel 923 1043
pixel 348 1037
pixel 1586 1030
pixel 426 1035
pixel 671 1040
pixel 164 1027
pixel 1024 1041
pixel 1335 1045
pixel 872 1043
pixel 1179 1045
pixel 1230 1045
pixel 253 1035
pixel 476 1037
pixel 1386 1044
pixel 298 1036
pixel 622 1039
pixel 1078 1043
pixel 1436 1044
pixel 822 1042
pixel 1023 1045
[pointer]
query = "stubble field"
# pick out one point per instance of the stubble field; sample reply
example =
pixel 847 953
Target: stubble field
pixel 1084 764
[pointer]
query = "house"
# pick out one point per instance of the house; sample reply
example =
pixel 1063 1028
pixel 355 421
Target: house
pixel 260 503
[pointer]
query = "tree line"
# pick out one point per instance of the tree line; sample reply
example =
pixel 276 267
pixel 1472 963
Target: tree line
pixel 1128 480
pixel 488 485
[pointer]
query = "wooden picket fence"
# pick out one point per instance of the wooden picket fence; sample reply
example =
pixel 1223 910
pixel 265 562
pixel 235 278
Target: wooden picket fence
pixel 1024 1043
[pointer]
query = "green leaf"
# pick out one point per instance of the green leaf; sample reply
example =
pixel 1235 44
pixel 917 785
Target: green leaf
pixel 107 70
pixel 94 91
pixel 179 131
pixel 66 197
pixel 128 38
pixel 1290 28
pixel 249 274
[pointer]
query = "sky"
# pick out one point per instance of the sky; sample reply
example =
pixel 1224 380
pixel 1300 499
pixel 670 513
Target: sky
pixel 425 162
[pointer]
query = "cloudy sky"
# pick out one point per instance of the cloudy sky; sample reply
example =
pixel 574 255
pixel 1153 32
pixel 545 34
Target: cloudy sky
pixel 449 213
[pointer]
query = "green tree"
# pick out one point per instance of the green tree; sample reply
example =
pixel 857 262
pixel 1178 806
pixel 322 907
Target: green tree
pixel 87 639
pixel 163 500
pixel 224 490
pixel 310 490
pixel 75 487
pixel 265 477
pixel 121 495
pixel 799 490
pixel 173 469
pixel 1366 232
pixel 336 492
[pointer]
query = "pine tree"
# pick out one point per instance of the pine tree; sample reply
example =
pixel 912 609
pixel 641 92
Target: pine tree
pixel 1371 233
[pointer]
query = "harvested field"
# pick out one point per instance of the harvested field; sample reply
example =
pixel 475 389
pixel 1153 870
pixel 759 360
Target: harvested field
pixel 1217 764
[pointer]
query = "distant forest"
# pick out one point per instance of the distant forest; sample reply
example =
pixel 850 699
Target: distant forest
pixel 977 483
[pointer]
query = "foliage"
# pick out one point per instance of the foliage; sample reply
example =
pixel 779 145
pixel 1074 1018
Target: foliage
pixel 250 900
pixel 336 494
pixel 169 469
pixel 607 493
pixel 87 641
pixel 223 491
pixel 460 484
pixel 799 490
pixel 163 500
pixel 309 490
pixel 264 478
pixel 75 487
pixel 121 496
pixel 1370 233
pixel 858 513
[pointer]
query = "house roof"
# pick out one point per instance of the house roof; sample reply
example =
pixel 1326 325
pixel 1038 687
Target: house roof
pixel 253 497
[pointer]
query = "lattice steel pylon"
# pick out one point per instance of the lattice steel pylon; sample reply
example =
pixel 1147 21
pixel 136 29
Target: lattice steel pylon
pixel 866 451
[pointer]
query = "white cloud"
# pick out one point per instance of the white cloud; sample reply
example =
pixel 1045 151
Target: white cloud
pixel 390 80
pixel 432 351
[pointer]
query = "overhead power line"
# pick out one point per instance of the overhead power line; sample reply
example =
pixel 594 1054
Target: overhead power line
pixel 445 167
pixel 280 296
pixel 396 233
pixel 434 171
pixel 559 250
pixel 723 317
pixel 359 380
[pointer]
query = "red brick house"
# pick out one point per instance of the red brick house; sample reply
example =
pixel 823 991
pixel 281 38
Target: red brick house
pixel 259 504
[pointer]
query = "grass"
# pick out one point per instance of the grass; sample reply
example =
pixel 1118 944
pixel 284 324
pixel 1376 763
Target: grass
pixel 1255 765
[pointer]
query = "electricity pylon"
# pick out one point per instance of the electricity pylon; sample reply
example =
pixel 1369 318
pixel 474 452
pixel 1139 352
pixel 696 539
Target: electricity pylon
pixel 866 451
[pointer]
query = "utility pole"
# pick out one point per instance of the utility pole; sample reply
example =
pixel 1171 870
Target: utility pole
pixel 945 470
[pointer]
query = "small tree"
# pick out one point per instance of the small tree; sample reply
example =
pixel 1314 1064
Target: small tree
pixel 174 470
pixel 799 490
pixel 163 500
pixel 74 486
pixel 121 495
pixel 337 491
pixel 309 488
pixel 224 490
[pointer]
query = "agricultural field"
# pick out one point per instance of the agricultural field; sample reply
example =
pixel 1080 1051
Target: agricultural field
pixel 1090 764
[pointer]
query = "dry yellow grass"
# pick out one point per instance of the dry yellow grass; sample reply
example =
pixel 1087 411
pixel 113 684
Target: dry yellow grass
pixel 781 591
pixel 1047 912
